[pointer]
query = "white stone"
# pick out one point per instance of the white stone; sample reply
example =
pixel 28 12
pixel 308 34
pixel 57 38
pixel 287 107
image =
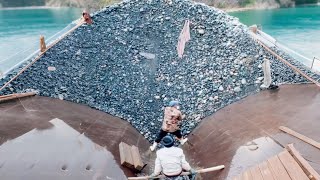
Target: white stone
pixel 60 96
pixel 263 86
pixel 260 78
pixel 221 88
pixel 78 52
pixel 147 55
pixel 157 97
pixel 201 31
pixel 237 89
pixel 243 81
pixel 51 68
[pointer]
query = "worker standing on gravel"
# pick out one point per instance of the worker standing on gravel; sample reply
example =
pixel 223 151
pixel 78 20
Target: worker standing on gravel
pixel 171 122
pixel 171 161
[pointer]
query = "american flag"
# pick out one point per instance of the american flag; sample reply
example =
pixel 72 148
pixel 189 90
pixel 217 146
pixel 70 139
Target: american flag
pixel 183 38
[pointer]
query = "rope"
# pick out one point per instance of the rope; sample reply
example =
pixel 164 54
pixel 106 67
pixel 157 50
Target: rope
pixel 41 54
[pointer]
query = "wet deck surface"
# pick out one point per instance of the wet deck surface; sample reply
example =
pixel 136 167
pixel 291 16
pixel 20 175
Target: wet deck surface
pixel 228 137
pixel 59 150
pixel 24 126
pixel 223 137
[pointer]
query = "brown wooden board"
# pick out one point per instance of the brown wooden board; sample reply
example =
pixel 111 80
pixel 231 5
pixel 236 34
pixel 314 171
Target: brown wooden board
pixel 125 155
pixel 206 170
pixel 306 167
pixel 137 161
pixel 300 136
pixel 292 167
pixel 16 96
pixel 265 171
pixel 256 173
pixel 277 169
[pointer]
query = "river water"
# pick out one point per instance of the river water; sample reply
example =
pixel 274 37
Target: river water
pixel 298 28
pixel 21 28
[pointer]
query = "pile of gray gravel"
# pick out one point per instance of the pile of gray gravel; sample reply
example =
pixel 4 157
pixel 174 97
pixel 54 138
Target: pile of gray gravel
pixel 126 63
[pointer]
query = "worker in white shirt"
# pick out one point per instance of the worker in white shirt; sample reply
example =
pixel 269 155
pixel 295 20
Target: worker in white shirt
pixel 171 160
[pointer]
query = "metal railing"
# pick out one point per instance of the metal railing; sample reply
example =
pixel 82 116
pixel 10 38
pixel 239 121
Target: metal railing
pixel 314 58
pixel 16 60
pixel 272 42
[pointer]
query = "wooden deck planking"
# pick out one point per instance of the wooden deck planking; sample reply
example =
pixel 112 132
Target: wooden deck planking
pixel 277 169
pixel 265 171
pixel 292 167
pixel 306 167
pixel 256 173
pixel 287 165
pixel 246 176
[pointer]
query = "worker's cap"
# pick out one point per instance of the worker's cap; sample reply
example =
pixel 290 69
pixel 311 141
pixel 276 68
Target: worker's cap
pixel 173 103
pixel 168 141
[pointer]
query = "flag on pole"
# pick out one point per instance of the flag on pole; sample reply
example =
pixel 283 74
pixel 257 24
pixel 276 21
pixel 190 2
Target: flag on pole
pixel 183 38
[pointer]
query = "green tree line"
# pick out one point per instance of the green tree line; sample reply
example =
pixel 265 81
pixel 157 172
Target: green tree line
pixel 306 1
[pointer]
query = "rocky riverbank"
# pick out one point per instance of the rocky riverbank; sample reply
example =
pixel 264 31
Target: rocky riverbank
pixel 126 63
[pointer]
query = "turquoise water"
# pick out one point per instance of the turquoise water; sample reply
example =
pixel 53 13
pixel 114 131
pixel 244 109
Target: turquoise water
pixel 298 28
pixel 21 28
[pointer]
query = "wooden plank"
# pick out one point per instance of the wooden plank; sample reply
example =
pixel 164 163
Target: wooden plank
pixel 211 169
pixel 122 153
pixel 306 167
pixel 256 173
pixel 277 169
pixel 16 96
pixel 300 136
pixel 292 167
pixel 5 96
pixel 247 175
pixel 265 171
pixel 137 161
pixel 125 155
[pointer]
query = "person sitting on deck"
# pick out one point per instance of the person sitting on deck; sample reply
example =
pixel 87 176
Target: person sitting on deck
pixel 171 121
pixel 171 160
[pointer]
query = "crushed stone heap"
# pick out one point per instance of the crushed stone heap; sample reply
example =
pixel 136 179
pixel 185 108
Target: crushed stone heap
pixel 126 63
